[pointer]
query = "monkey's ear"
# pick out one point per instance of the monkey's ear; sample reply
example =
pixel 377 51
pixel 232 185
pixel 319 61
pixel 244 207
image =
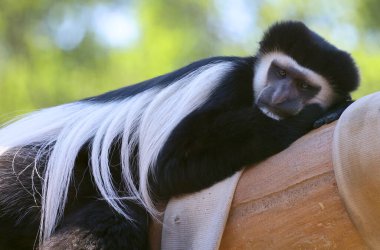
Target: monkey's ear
pixel 333 114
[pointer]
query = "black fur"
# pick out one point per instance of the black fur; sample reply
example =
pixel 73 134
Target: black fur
pixel 89 222
pixel 97 226
pixel 162 81
pixel 19 212
pixel 210 144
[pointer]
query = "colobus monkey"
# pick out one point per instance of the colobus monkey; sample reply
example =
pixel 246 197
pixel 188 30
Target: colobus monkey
pixel 88 174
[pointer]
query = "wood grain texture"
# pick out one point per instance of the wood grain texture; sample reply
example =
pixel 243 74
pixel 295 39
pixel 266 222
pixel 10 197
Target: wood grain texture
pixel 291 201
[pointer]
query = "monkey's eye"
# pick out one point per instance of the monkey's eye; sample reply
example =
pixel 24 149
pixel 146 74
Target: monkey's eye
pixel 304 86
pixel 282 73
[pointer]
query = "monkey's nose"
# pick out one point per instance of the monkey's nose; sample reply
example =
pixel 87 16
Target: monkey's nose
pixel 279 97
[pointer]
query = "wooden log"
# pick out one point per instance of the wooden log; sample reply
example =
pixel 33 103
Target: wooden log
pixel 289 201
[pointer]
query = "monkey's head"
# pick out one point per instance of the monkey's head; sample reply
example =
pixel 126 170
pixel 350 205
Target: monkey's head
pixel 296 67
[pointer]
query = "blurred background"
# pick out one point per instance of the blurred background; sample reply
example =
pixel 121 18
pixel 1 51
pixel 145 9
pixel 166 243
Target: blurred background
pixel 53 52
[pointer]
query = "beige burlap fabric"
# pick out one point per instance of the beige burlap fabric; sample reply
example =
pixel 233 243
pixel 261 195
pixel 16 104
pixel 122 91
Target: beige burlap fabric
pixel 356 158
pixel 197 221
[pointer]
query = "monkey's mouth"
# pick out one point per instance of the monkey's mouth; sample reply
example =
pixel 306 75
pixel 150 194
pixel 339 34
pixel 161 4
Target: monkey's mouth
pixel 268 111
pixel 279 111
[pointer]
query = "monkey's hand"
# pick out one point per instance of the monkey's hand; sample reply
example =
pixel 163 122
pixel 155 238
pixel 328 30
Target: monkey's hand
pixel 332 115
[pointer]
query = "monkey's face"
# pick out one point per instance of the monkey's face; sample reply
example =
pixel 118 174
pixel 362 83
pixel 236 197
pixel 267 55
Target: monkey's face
pixel 283 87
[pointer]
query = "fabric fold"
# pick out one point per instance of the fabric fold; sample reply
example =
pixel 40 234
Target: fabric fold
pixel 197 221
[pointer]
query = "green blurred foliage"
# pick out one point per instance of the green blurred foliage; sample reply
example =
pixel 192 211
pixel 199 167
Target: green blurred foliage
pixel 36 71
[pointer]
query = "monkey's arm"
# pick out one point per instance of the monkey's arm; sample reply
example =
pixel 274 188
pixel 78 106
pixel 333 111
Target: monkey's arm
pixel 207 147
